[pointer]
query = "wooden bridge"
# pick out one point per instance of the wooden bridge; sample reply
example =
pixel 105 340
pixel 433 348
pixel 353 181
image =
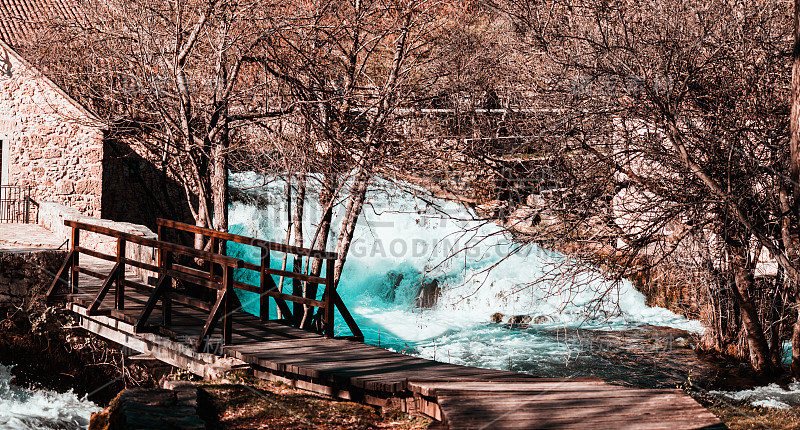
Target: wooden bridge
pixel 187 315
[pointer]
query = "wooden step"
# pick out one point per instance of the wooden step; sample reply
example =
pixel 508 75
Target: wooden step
pixel 131 316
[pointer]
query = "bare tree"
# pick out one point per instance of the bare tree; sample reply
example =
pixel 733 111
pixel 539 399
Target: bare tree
pixel 675 128
pixel 173 80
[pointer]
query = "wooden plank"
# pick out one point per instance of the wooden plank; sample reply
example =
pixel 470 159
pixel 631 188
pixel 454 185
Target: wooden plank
pixel 347 369
pixel 211 322
pixel 263 301
pixel 247 287
pixel 330 291
pixel 141 265
pixel 60 276
pixel 90 272
pixel 112 277
pixel 601 418
pixel 516 401
pixel 183 276
pixel 269 285
pixel 626 424
pixel 430 388
pixel 188 300
pixel 294 275
pixel 649 407
pixel 196 272
pixel 348 318
pixel 295 299
pixel 299 354
pixel 95 254
pixel 137 286
pixel 251 266
pixel 178 249
pixel 161 286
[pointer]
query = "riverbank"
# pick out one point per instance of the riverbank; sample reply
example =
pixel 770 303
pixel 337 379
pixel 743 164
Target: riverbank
pixel 49 354
pixel 44 352
pixel 252 403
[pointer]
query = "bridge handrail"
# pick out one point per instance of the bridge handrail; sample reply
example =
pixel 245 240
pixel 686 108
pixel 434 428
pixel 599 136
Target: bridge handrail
pixel 157 244
pixel 246 240
pixel 162 291
pixel 267 287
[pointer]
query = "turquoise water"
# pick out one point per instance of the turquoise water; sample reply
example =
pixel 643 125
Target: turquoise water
pixel 407 238
pixel 22 408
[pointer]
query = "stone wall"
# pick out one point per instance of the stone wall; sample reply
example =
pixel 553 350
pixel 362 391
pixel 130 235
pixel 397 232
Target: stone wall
pixel 56 146
pixel 53 215
pixel 24 275
pixel 172 407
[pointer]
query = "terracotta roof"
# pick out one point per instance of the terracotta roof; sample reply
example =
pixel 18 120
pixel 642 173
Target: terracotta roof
pixel 20 20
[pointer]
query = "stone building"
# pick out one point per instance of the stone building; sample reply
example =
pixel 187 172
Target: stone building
pixel 59 148
pixel 49 141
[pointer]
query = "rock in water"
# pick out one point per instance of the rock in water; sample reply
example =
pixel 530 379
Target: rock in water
pixel 393 280
pixel 428 294
pixel 523 321
pixel 496 317
pixel 520 321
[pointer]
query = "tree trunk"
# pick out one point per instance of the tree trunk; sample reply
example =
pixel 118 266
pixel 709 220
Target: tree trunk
pixel 794 147
pixel 287 240
pixel 320 241
pixel 355 204
pixel 754 331
pixel 794 144
pixel 219 188
pixel 297 267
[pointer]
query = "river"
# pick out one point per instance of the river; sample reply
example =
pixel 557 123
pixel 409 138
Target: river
pixel 407 238
pixel 39 409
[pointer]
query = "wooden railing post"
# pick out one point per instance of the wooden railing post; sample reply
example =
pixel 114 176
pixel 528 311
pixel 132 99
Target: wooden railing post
pixel 121 273
pixel 74 243
pixel 166 302
pixel 227 316
pixel 212 267
pixel 300 300
pixel 329 290
pixel 263 304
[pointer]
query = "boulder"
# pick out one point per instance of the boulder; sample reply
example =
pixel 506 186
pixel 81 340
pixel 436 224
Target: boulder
pixel 428 295
pixel 520 321
pixel 524 218
pixel 536 201
pixel 492 209
pixel 172 407
pixel 390 284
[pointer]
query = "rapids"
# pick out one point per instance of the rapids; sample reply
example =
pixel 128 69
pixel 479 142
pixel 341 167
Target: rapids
pixel 407 238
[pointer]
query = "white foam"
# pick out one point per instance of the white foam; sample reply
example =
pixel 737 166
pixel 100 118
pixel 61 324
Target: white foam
pixel 769 396
pixel 407 238
pixel 22 408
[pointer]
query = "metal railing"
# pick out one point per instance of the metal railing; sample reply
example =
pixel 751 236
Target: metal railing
pixel 17 204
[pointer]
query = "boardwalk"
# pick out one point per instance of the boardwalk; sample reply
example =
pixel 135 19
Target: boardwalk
pixel 460 397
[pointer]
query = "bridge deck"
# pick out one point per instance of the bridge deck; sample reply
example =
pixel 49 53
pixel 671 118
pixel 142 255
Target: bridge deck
pixel 459 396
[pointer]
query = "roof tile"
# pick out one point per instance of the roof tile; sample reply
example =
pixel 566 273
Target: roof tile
pixel 20 20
